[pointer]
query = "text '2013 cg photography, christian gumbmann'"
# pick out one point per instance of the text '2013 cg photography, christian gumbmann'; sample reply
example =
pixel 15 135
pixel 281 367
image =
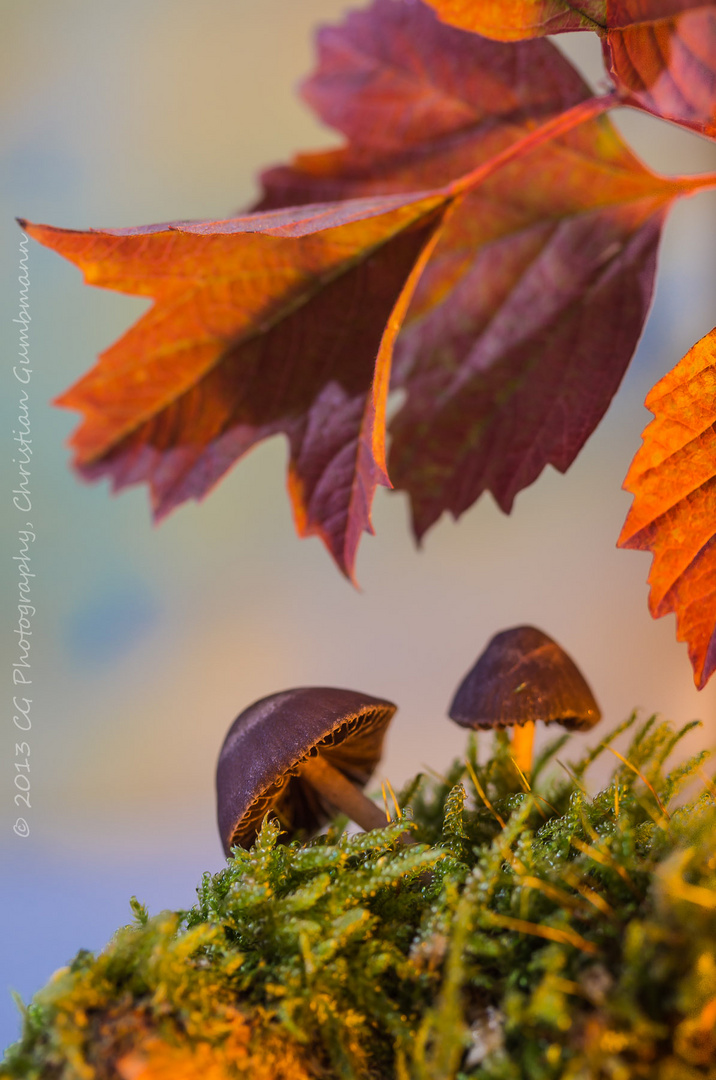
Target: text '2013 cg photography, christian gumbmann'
pixel 22 675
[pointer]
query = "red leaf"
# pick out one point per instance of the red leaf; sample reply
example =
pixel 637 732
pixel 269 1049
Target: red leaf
pixel 534 292
pixel 276 322
pixel 660 53
pixel 673 480
pixel 528 376
pixel 530 308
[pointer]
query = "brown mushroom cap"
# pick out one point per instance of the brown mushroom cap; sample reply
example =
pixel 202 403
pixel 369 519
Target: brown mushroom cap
pixel 258 764
pixel 523 675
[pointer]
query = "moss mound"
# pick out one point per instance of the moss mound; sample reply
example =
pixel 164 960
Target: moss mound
pixel 532 934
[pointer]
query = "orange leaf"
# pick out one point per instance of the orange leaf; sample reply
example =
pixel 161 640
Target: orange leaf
pixel 673 480
pixel 267 323
pixel 515 20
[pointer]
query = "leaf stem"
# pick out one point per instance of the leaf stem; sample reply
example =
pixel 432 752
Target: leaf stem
pixel 693 184
pixel 552 129
pixel 558 125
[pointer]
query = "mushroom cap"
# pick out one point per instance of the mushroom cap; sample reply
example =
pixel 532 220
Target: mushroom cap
pixel 524 675
pixel 258 764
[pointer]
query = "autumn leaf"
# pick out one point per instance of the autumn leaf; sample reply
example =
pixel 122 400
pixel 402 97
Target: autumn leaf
pixel 660 53
pixel 673 480
pixel 266 323
pixel 516 20
pixel 482 193
pixel 529 310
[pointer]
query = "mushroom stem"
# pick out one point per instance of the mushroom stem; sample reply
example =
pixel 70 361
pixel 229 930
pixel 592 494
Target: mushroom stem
pixel 522 740
pixel 339 792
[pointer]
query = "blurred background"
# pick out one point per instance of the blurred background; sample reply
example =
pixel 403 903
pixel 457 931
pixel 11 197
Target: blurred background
pixel 147 641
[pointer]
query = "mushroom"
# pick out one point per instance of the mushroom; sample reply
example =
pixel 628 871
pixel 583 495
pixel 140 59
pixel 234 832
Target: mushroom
pixel 304 754
pixel 521 677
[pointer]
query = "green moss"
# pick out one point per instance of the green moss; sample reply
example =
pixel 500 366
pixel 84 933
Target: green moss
pixel 525 934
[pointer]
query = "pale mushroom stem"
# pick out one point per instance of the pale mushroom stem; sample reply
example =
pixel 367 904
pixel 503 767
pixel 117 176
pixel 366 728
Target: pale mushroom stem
pixel 522 740
pixel 338 791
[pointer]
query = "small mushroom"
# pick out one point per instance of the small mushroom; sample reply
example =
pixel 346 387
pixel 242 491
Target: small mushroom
pixel 521 677
pixel 304 754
